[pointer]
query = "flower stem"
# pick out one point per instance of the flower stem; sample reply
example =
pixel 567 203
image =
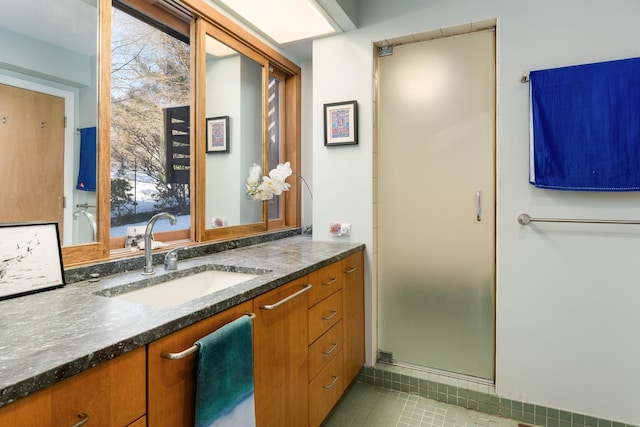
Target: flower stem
pixel 305 183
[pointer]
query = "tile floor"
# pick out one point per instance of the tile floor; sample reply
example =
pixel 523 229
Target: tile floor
pixel 367 405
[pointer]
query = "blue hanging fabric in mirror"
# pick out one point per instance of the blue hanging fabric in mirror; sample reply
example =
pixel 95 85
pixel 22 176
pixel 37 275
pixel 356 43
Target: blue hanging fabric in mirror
pixel 87 170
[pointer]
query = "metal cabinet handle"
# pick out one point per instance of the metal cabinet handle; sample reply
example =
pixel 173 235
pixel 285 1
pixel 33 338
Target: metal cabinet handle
pixel 330 282
pixel 479 205
pixel 332 349
pixel 190 350
pixel 351 270
pixel 84 418
pixel 331 316
pixel 333 382
pixel 289 298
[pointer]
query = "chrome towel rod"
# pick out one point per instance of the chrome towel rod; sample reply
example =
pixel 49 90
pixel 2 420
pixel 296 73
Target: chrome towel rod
pixel 525 219
pixel 192 349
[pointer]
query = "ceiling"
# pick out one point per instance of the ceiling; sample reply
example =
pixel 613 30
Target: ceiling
pixel 342 14
pixel 71 23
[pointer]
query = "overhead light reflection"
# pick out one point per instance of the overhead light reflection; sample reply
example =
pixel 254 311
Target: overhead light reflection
pixel 283 20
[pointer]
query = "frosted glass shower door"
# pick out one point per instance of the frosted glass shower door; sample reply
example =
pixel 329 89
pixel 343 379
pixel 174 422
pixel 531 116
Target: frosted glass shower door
pixel 436 223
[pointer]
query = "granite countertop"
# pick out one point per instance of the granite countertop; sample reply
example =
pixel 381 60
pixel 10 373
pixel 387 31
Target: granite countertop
pixel 52 335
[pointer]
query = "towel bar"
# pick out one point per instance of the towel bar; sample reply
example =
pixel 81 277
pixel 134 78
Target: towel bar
pixel 525 219
pixel 192 349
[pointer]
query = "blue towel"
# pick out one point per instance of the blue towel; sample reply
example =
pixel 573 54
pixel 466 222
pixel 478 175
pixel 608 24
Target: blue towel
pixel 224 383
pixel 88 156
pixel 585 127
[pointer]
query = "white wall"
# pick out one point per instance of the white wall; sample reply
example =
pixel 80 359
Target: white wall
pixel 566 293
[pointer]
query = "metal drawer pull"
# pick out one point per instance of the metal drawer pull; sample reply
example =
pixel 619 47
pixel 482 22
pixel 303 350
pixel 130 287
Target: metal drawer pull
pixel 479 205
pixel 332 349
pixel 351 270
pixel 331 316
pixel 289 298
pixel 330 282
pixel 84 418
pixel 190 350
pixel 333 382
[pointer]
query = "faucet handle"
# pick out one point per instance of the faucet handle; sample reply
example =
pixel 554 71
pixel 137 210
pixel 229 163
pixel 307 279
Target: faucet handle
pixel 171 259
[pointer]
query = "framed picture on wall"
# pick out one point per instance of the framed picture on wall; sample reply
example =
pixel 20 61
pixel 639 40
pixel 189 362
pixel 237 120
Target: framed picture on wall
pixel 30 258
pixel 218 134
pixel 341 123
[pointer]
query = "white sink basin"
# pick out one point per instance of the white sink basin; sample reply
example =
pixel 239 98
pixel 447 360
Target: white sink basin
pixel 178 291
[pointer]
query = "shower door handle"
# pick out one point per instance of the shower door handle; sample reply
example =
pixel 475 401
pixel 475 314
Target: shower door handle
pixel 479 205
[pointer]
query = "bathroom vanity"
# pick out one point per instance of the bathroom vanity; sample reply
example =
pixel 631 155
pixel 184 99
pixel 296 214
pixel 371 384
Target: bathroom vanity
pixel 81 353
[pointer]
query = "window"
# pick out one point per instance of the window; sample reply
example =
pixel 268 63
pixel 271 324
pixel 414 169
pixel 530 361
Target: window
pixel 150 126
pixel 152 111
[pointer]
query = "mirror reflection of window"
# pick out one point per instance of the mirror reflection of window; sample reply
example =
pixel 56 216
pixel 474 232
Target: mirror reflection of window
pixel 274 138
pixel 234 90
pixel 150 127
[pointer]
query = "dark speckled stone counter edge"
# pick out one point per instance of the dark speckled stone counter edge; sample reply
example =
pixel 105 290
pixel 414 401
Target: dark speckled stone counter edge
pixel 107 268
pixel 60 370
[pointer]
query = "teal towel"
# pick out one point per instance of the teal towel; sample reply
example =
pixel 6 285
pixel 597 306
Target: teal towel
pixel 224 383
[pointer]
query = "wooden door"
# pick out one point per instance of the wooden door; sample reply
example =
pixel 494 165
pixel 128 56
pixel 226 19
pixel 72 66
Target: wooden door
pixel 281 356
pixel 32 161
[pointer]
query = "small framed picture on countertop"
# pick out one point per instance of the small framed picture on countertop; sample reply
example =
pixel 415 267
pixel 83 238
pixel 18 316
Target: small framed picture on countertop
pixel 30 258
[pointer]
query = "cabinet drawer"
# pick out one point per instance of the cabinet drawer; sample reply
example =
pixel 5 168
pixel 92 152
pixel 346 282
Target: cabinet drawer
pixel 324 315
pixel 325 391
pixel 325 281
pixel 324 349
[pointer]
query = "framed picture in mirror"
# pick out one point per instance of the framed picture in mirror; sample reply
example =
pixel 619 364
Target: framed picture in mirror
pixel 30 258
pixel 218 134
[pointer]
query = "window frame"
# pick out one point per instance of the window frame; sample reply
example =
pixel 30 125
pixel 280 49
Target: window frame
pixel 200 10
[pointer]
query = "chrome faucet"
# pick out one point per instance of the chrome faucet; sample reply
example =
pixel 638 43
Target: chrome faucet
pixel 148 238
pixel 91 219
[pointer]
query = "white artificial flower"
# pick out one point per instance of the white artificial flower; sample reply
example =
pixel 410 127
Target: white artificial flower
pixel 254 174
pixel 271 185
pixel 281 172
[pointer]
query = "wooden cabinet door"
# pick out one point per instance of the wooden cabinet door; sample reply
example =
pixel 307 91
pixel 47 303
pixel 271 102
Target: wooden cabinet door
pixel 140 422
pixel 172 383
pixel 33 410
pixel 110 395
pixel 353 315
pixel 280 345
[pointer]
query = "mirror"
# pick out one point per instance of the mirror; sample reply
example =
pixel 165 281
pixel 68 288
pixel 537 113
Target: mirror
pixel 49 88
pixel 234 135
